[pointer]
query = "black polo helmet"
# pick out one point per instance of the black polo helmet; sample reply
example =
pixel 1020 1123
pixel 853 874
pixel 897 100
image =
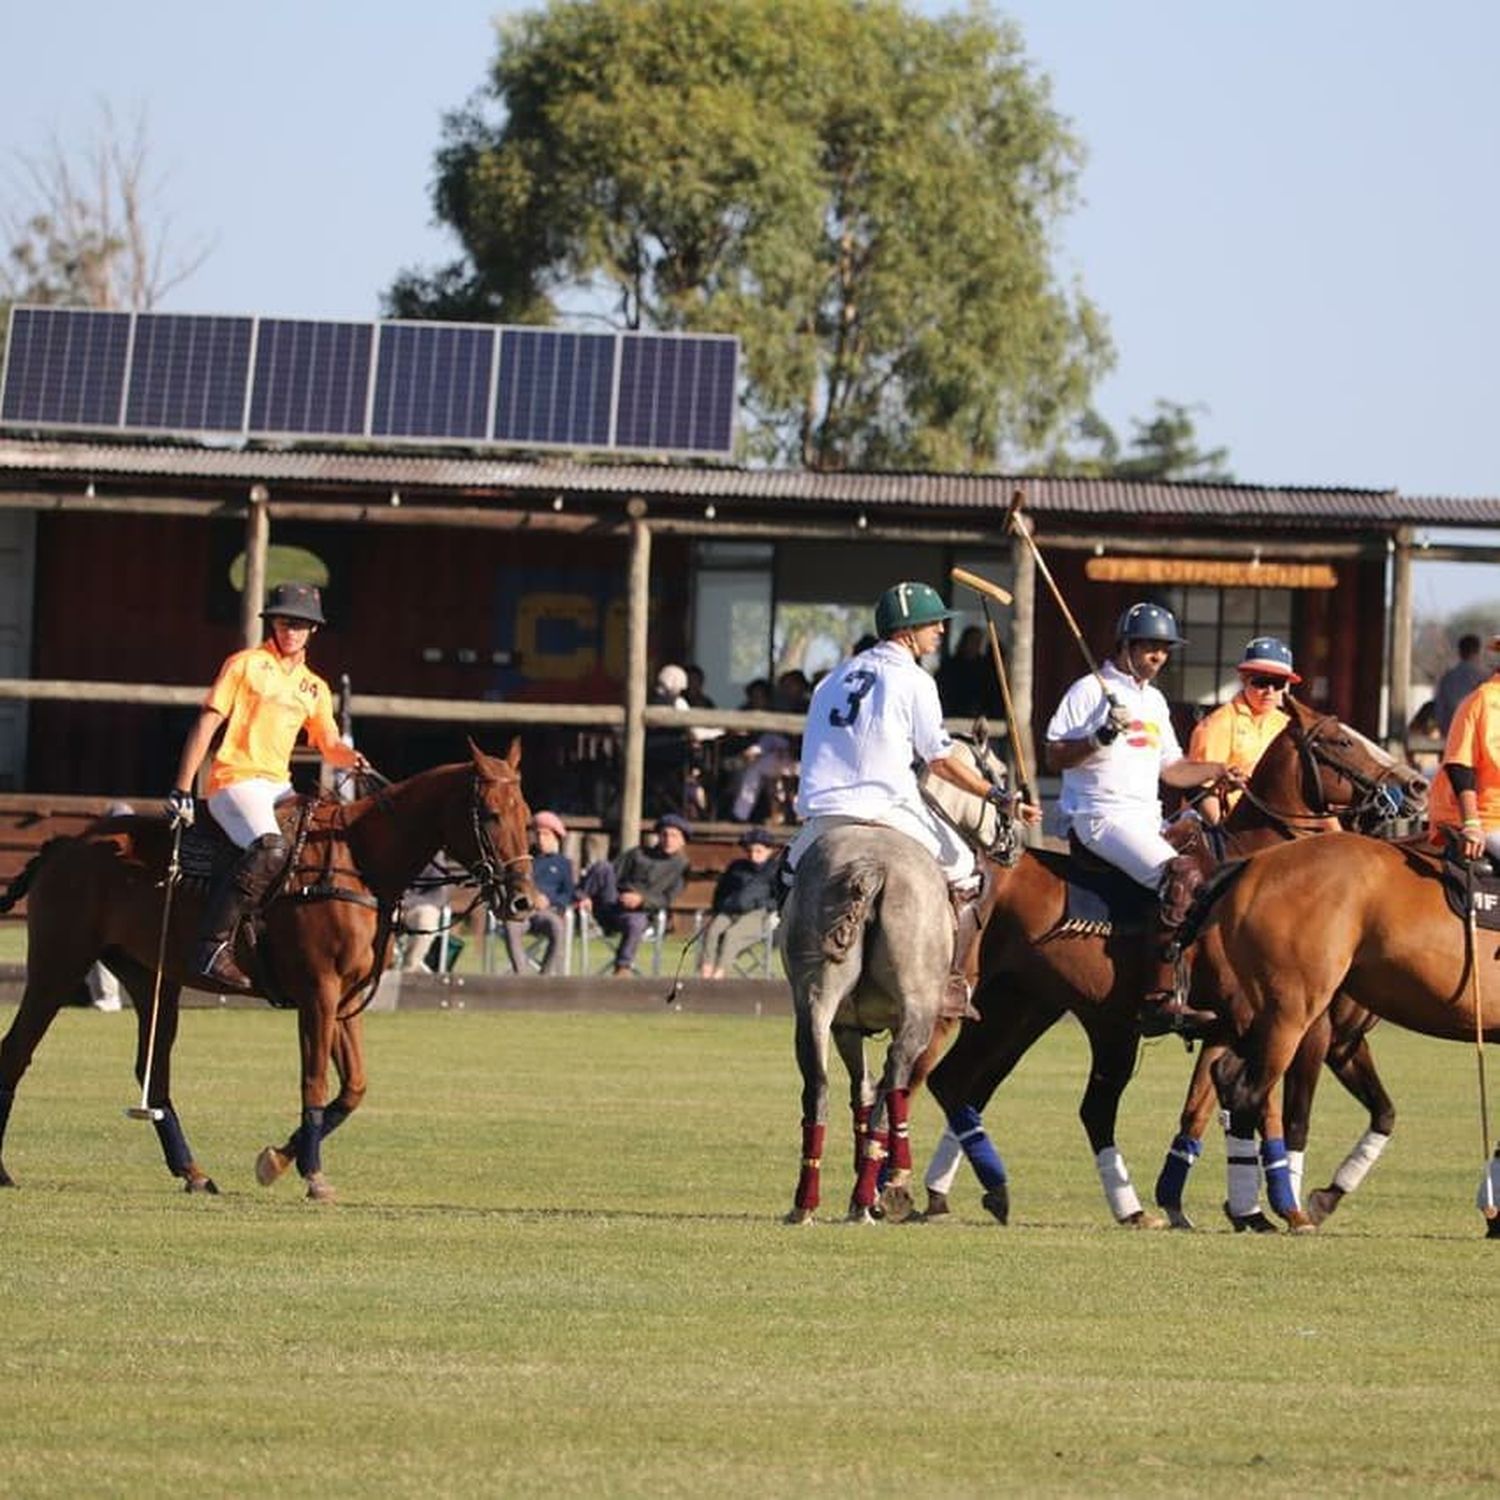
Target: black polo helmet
pixel 1149 622
pixel 295 601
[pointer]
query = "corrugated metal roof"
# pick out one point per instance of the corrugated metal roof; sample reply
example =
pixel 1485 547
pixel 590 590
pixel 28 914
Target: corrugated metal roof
pixel 44 460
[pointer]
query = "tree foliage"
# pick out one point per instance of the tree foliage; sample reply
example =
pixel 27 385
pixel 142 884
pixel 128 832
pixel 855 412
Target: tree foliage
pixel 866 197
pixel 1164 446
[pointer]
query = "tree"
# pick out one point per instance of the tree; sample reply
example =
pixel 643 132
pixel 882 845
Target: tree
pixel 864 196
pixel 87 231
pixel 1164 447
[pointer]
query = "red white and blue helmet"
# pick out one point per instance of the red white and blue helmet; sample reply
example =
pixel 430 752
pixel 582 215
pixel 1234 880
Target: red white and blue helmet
pixel 1268 654
pixel 1149 622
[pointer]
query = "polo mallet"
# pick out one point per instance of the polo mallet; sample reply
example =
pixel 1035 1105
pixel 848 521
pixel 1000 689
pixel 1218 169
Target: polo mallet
pixel 987 591
pixel 1487 1193
pixel 145 1111
pixel 1013 522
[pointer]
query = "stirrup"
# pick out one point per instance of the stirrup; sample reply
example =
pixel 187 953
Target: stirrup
pixel 1165 1013
pixel 216 962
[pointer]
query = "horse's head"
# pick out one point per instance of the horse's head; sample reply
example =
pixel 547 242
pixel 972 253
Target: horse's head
pixel 494 843
pixel 1349 777
pixel 986 828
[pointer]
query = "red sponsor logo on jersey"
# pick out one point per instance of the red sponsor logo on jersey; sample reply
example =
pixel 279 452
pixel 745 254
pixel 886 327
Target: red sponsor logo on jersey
pixel 1142 735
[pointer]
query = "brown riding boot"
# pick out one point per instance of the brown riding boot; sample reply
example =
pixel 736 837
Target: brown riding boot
pixel 1164 1009
pixel 968 929
pixel 241 892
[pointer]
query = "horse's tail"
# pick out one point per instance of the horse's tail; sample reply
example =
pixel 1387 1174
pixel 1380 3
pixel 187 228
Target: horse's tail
pixel 22 882
pixel 1200 909
pixel 844 905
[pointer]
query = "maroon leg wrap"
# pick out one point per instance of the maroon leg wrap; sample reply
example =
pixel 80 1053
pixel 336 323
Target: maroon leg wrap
pixel 866 1190
pixel 898 1109
pixel 861 1136
pixel 812 1166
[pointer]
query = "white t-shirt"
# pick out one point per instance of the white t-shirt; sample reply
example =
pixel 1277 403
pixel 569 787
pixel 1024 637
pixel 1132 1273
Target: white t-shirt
pixel 868 721
pixel 1124 778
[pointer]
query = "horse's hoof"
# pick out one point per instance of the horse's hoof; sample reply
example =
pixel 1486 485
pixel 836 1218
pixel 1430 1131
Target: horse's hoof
pixel 937 1205
pixel 270 1164
pixel 319 1189
pixel 1254 1222
pixel 997 1202
pixel 800 1216
pixel 1492 1227
pixel 6 1180
pixel 861 1214
pixel 1141 1219
pixel 1321 1202
pixel 1177 1219
pixel 1299 1222
pixel 896 1203
pixel 196 1182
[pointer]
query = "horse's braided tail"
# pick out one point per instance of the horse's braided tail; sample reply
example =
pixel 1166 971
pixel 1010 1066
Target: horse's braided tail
pixel 22 883
pixel 844 904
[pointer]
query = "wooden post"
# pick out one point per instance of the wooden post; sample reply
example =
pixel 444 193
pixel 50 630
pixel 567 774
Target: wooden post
pixel 1023 647
pixel 1399 684
pixel 257 535
pixel 633 759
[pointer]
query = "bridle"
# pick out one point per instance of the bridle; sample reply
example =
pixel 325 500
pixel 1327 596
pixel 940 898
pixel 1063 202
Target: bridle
pixel 1377 801
pixel 500 878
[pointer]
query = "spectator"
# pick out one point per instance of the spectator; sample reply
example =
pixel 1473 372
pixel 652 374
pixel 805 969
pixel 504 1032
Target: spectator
pixel 668 752
pixel 744 893
pixel 966 680
pixel 625 895
pixel 1466 791
pixel 694 691
pixel 104 988
pixel 424 917
pixel 773 755
pixel 552 875
pixel 1458 682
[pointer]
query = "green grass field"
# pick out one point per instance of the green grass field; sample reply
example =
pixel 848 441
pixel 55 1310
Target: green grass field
pixel 557 1267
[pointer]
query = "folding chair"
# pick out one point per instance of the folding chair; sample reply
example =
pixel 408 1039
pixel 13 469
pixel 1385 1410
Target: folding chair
pixel 590 931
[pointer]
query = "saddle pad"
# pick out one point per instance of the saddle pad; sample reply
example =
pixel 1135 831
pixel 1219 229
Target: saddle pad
pixel 1100 900
pixel 1486 894
pixel 205 852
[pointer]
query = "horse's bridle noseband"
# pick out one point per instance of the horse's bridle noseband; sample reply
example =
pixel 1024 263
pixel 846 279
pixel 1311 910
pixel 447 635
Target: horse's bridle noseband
pixel 496 876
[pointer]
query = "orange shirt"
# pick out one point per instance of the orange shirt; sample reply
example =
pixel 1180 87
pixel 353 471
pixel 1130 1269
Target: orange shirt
pixel 1236 736
pixel 1473 740
pixel 266 702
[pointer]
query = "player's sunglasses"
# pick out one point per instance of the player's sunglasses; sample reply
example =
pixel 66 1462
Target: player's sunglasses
pixel 1276 684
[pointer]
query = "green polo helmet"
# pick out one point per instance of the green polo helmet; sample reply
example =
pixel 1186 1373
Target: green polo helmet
pixel 904 606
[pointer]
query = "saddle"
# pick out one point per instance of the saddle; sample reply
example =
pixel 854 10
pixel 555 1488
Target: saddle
pixel 206 853
pixel 1465 881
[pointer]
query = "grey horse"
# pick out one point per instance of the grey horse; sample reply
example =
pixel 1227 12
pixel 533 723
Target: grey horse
pixel 867 938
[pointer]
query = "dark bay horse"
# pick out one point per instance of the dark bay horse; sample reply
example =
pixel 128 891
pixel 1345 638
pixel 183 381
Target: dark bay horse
pixel 1034 970
pixel 1304 922
pixel 99 895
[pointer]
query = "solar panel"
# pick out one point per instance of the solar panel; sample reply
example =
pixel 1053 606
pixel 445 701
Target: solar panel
pixel 189 374
pixel 677 393
pixel 65 366
pixel 311 378
pixel 554 388
pixel 432 380
pixel 414 382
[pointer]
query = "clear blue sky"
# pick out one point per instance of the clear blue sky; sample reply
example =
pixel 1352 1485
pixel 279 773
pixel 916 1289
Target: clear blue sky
pixel 1290 215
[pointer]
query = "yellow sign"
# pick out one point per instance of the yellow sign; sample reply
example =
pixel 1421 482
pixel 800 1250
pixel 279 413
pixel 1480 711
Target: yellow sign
pixel 1204 573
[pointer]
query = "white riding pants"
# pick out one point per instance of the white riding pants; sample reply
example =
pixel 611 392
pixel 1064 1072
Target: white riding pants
pixel 1134 845
pixel 955 858
pixel 247 809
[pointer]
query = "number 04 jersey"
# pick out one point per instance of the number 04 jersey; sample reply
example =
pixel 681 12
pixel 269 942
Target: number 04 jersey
pixel 868 721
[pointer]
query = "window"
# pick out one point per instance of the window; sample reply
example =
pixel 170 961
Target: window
pixel 1217 624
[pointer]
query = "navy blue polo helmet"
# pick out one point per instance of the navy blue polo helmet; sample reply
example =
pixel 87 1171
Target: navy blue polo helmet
pixel 1149 622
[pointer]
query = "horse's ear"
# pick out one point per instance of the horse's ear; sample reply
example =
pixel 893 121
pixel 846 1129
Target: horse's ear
pixel 475 753
pixel 513 755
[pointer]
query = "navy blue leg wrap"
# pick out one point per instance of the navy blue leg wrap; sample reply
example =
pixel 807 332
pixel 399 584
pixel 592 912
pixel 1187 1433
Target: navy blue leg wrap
pixel 1278 1172
pixel 174 1144
pixel 1182 1154
pixel 966 1124
pixel 309 1140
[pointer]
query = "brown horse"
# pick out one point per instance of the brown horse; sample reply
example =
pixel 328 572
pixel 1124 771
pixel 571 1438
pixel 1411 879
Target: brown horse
pixel 1343 914
pixel 326 934
pixel 1033 970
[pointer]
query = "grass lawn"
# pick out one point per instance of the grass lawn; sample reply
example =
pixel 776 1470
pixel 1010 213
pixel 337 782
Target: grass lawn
pixel 557 1267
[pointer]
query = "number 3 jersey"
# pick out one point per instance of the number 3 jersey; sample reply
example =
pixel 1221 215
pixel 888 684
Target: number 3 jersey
pixel 869 720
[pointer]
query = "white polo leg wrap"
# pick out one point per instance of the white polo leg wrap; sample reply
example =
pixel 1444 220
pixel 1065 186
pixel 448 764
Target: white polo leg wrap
pixel 1487 1199
pixel 1294 1172
pixel 947 1157
pixel 1114 1177
pixel 1365 1154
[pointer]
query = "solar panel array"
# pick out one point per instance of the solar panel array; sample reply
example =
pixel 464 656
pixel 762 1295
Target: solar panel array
pixel 194 374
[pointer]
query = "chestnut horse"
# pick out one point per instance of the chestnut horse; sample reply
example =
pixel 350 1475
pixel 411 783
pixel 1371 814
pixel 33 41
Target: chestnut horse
pixel 327 931
pixel 1342 914
pixel 1033 971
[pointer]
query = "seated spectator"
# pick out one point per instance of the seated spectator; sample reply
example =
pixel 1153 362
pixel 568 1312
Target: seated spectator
pixel 424 918
pixel 744 893
pixel 773 755
pixel 552 875
pixel 694 692
pixel 966 681
pixel 668 752
pixel 625 895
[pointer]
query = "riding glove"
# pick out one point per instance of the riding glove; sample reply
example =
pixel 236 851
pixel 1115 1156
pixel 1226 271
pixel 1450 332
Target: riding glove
pixel 180 807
